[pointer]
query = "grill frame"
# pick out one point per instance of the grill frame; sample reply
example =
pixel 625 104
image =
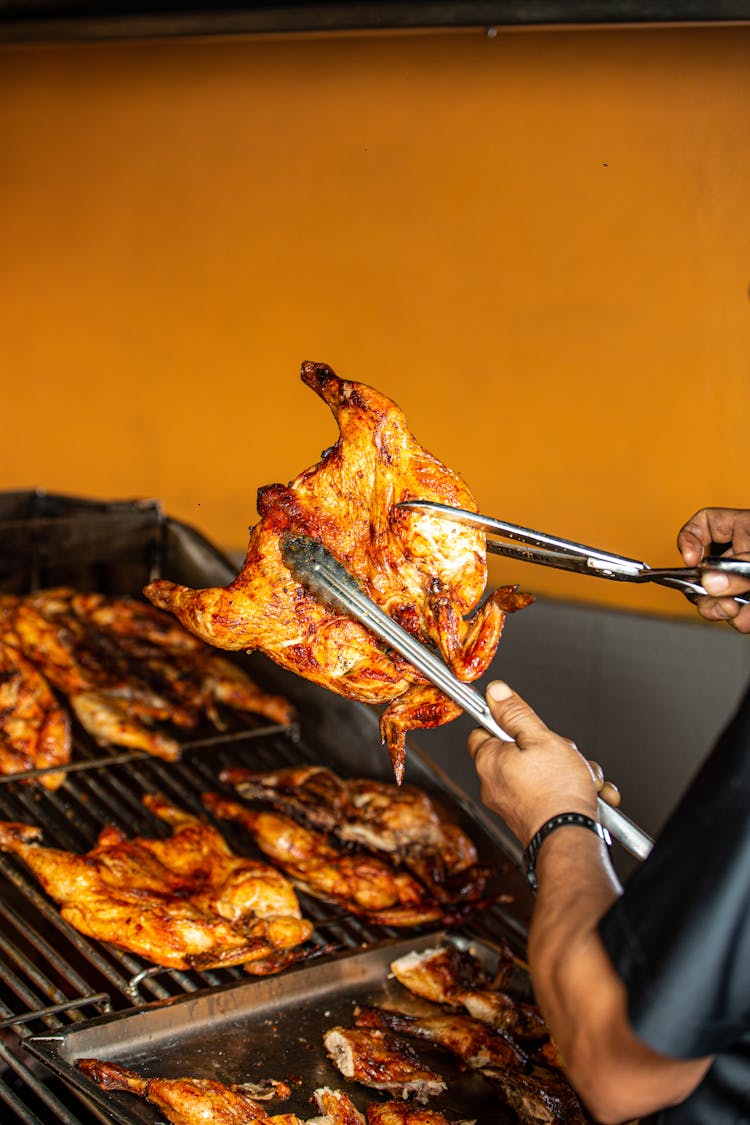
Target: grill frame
pixel 51 976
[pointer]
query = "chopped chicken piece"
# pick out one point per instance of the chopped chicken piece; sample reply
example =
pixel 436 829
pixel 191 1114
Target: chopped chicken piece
pixel 183 902
pixel 186 1101
pixel 402 822
pixel 398 1113
pixel 382 1062
pixel 365 885
pixel 449 975
pixel 426 572
pixel 336 1107
pixel 541 1097
pixel 34 728
pixel 469 1040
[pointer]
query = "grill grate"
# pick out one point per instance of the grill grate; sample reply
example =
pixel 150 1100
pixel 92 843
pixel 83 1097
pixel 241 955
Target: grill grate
pixel 50 975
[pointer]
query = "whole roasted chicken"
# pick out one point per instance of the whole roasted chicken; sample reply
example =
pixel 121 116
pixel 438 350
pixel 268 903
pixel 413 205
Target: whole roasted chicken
pixel 426 572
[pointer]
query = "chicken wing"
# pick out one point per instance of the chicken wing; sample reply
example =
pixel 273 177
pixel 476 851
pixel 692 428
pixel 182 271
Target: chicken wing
pixel 364 885
pixel 381 1061
pixel 185 902
pixel 34 728
pixel 400 822
pixel 187 1101
pixel 426 572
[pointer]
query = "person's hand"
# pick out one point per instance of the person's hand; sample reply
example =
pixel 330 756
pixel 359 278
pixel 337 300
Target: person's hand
pixel 538 776
pixel 719 525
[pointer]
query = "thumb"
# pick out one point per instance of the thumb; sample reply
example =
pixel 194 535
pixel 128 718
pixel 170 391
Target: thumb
pixel 512 713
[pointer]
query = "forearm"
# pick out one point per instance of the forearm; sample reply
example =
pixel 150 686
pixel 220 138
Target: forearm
pixel 582 998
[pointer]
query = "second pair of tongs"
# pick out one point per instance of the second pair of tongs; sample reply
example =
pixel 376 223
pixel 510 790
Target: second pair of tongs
pixel 325 577
pixel 566 554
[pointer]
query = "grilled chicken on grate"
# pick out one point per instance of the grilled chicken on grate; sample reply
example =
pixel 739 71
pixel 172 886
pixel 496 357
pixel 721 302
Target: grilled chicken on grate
pixel 184 902
pixel 426 572
pixel 123 667
pixel 401 822
pixel 369 886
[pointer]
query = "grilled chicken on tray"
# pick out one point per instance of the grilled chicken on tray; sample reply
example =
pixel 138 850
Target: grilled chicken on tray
pixel 426 572
pixel 188 1101
pixel 184 902
pixel 123 667
pixel 402 823
pixel 381 1061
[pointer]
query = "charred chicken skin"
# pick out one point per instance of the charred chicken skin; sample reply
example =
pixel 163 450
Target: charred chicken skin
pixel 124 666
pixel 365 885
pixel 186 1101
pixel 469 1040
pixel 426 572
pixel 397 1113
pixel 185 902
pixel 399 822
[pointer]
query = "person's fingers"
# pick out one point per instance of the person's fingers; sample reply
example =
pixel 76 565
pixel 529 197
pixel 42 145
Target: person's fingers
pixel 713 525
pixel 725 609
pixel 610 794
pixel 517 719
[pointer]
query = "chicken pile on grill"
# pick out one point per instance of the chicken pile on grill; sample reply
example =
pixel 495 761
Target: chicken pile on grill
pixel 184 902
pixel 427 573
pixel 123 667
pixel 400 823
pixel 379 851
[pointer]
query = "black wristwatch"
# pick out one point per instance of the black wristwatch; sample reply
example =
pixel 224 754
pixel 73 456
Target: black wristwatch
pixel 562 820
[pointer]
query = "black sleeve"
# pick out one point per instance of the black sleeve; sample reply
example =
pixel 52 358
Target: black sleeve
pixel 679 937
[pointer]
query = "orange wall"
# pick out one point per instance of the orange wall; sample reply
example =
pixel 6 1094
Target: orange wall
pixel 537 244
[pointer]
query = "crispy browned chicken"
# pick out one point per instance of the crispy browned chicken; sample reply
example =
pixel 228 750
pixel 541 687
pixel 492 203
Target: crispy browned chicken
pixel 468 1039
pixel 400 821
pixel 426 572
pixel 182 902
pixel 538 1097
pixel 187 1101
pixel 368 886
pixel 381 1061
pixel 398 1113
pixel 336 1108
pixel 124 666
pixel 453 976
pixel 34 728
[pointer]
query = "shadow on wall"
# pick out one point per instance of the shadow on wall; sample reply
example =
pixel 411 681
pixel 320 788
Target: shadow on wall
pixel 644 696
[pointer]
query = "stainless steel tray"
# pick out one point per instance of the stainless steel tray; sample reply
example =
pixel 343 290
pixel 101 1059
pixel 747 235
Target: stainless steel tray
pixel 264 1028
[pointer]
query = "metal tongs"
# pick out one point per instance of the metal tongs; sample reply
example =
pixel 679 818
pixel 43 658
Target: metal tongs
pixel 565 554
pixel 325 577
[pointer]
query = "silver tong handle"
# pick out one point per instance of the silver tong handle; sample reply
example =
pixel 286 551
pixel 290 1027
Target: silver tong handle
pixel 315 567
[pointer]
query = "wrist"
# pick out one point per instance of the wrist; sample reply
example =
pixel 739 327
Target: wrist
pixel 559 821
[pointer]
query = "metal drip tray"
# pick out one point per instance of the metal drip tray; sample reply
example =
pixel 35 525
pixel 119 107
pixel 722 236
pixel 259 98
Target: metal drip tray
pixel 267 1028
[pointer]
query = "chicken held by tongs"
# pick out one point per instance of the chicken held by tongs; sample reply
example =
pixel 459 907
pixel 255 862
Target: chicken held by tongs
pixel 426 572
